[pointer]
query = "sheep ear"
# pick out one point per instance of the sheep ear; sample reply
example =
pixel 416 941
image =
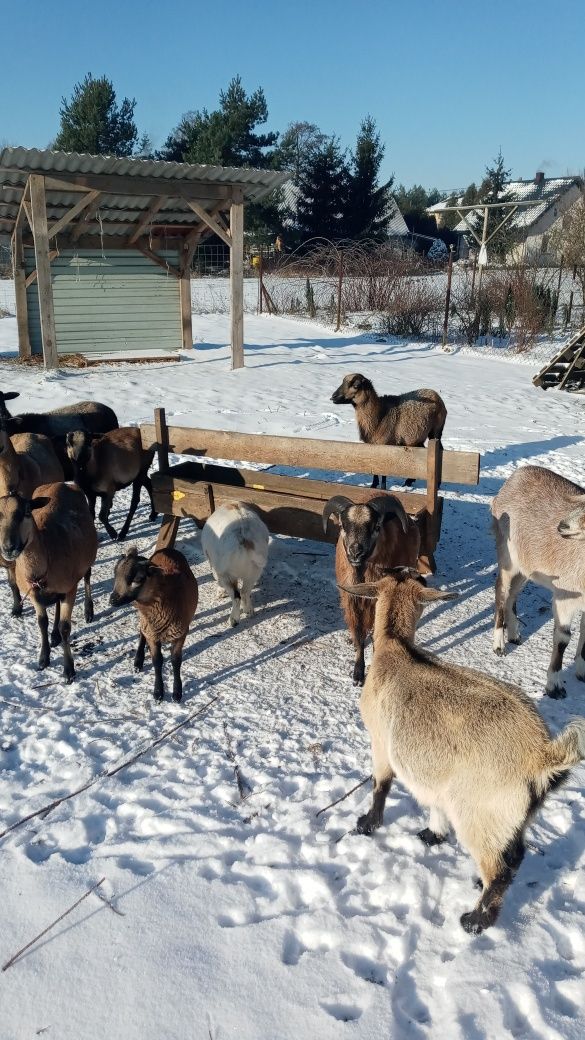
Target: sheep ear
pixel 10 396
pixel 365 590
pixel 39 502
pixel 429 595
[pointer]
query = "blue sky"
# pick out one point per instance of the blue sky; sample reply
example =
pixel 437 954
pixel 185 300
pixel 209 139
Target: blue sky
pixel 448 83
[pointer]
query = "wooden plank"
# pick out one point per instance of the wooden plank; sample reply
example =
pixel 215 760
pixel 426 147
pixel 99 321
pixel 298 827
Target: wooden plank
pixel 158 260
pixel 182 477
pixel 24 347
pixel 459 467
pixel 113 184
pixel 237 283
pixel 211 222
pixel 167 535
pixel 32 277
pixel 146 218
pixel 82 225
pixel 41 238
pixel 73 213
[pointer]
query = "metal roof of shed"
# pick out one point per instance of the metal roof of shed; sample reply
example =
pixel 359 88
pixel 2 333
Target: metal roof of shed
pixel 120 208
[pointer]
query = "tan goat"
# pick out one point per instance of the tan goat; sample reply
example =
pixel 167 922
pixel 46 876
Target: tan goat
pixel 472 749
pixel 539 524
pixel 373 537
pixel 402 419
pixel 164 591
pixel 105 464
pixel 52 542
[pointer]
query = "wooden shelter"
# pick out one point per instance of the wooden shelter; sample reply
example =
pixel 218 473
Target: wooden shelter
pixel 102 247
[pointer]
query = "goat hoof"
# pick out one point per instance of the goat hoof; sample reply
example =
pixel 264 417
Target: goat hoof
pixel 178 696
pixel 69 674
pixel 477 920
pixel 234 622
pixel 121 537
pixel 499 651
pixel 138 666
pixel 44 662
pixel 153 516
pixel 428 837
pixel 366 825
pixel 16 611
pixel 478 883
pixel 158 697
pixel 558 693
pixel 89 614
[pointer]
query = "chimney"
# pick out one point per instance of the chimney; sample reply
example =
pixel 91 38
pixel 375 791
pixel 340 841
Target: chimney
pixel 539 178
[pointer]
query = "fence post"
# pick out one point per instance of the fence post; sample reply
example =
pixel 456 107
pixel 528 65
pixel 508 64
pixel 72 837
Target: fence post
pixel 339 290
pixel 448 296
pixel 260 281
pixel 472 300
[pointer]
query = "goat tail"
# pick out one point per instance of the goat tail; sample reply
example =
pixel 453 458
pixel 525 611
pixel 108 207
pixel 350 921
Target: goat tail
pixel 568 748
pixel 563 752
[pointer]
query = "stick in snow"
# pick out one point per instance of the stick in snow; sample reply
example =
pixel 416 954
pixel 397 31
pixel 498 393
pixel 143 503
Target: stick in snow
pixel 243 786
pixel 338 800
pixel 108 772
pixel 52 925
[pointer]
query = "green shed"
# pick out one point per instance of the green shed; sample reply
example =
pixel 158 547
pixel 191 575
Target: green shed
pixel 102 248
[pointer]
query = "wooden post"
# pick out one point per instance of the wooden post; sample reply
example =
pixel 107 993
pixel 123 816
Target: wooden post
pixel 448 297
pixel 432 532
pixel 43 264
pixel 186 318
pixel 237 279
pixel 19 272
pixel 260 280
pixel 339 289
pixel 162 439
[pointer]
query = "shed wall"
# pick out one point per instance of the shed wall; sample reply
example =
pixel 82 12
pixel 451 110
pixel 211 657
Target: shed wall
pixel 119 300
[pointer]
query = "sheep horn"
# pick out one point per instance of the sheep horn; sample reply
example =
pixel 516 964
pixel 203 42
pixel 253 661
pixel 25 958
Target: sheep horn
pixel 389 506
pixel 335 505
pixel 366 590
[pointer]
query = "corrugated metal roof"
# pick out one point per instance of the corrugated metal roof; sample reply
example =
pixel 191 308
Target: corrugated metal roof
pixel 17 163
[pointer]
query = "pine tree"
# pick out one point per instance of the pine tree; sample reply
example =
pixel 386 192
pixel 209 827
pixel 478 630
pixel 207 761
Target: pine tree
pixel 227 136
pixel 368 205
pixel 93 122
pixel 323 193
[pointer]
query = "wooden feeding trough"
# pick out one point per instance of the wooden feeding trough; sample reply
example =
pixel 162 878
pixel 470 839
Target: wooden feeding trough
pixel 292 505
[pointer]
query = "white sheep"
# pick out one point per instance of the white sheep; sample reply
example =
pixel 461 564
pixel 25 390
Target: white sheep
pixel 235 542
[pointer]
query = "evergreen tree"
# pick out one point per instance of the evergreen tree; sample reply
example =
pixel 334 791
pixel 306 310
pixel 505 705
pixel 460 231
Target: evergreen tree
pixel 368 204
pixel 470 195
pixel 299 142
pixel 226 136
pixel 92 121
pixel 323 193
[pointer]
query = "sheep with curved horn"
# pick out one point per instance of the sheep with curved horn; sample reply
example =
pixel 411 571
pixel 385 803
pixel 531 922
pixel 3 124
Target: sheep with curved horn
pixel 374 536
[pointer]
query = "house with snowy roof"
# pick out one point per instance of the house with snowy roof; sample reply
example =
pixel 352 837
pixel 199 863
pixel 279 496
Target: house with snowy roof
pixel 549 199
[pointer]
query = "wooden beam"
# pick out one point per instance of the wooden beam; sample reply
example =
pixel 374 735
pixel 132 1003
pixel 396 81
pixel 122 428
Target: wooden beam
pixel 21 210
pixel 458 467
pixel 27 209
pixel 112 184
pixel 32 277
pixel 114 242
pixel 73 213
pixel 210 221
pixel 157 260
pixel 509 214
pixel 186 316
pixel 237 282
pixel 90 212
pixel 24 348
pixel 41 237
pixel 147 217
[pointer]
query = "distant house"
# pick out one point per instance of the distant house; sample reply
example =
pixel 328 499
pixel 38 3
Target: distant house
pixel 397 228
pixel 532 224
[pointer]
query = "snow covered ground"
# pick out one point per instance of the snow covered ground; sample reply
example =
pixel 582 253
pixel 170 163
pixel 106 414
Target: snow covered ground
pixel 255 919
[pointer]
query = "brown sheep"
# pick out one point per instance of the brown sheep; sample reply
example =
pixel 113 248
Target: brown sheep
pixel 52 542
pixel 106 464
pixel 164 591
pixel 373 537
pixel 401 419
pixel 26 461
